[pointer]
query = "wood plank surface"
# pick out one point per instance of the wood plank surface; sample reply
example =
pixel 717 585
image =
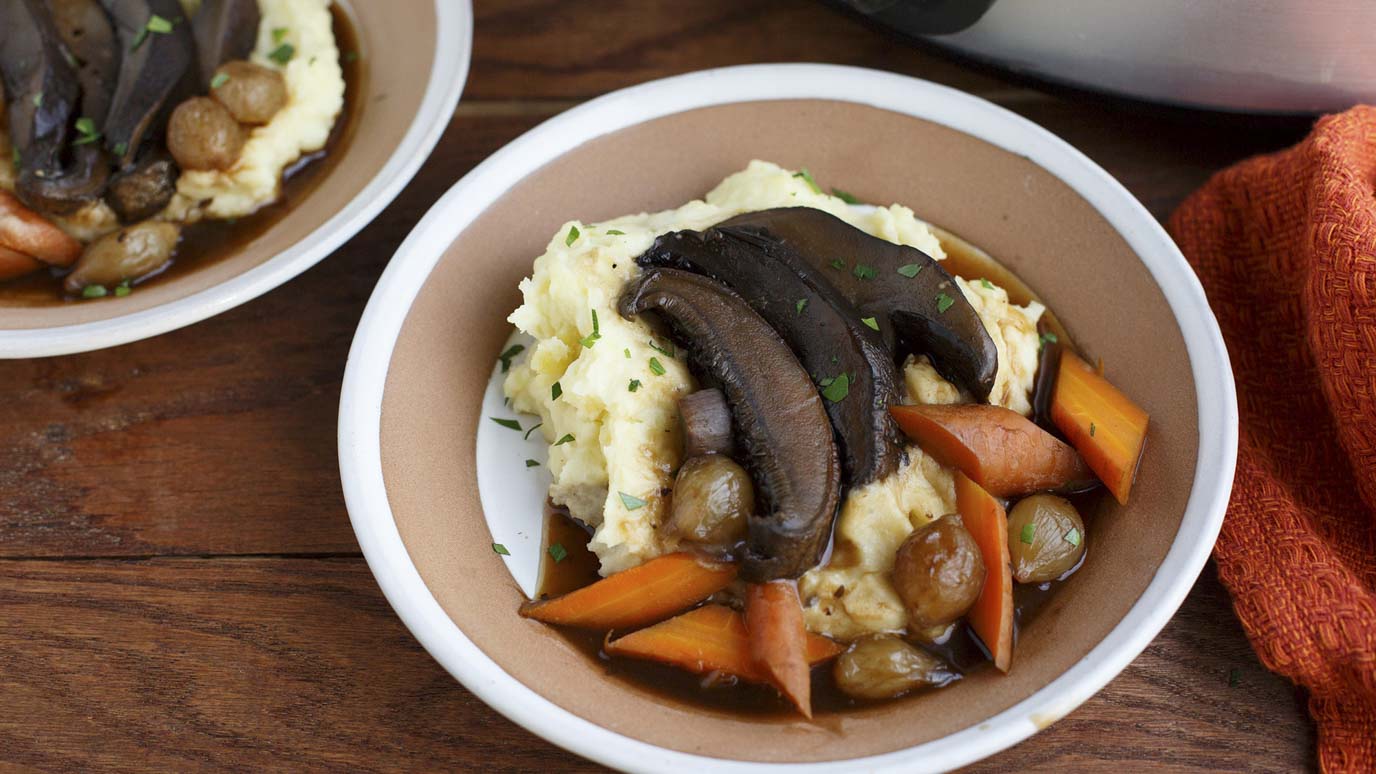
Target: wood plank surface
pixel 179 586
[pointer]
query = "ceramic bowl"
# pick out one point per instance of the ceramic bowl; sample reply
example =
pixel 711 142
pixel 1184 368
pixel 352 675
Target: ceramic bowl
pixel 418 461
pixel 413 58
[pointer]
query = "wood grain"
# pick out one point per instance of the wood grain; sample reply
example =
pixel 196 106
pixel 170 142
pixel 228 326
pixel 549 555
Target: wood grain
pixel 179 586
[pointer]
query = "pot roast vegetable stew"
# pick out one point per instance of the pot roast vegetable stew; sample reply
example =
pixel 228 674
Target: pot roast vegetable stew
pixel 795 326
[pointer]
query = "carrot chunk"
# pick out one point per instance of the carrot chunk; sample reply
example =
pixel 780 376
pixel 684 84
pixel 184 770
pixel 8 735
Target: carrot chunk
pixel 645 594
pixel 1000 449
pixel 711 638
pixel 992 615
pixel 1101 422
pixel 778 639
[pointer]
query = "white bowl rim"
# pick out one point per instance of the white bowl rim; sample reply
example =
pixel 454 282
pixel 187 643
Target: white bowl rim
pixel 364 381
pixel 449 71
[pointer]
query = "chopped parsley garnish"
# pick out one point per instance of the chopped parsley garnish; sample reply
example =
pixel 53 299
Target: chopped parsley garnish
pixel 837 390
pixel 38 100
pixel 1029 532
pixel 512 351
pixel 633 386
pixel 631 501
pixel 555 390
pixel 627 350
pixel 219 80
pixel 615 232
pixel 1073 537
pixel 848 198
pixel 943 302
pixel 93 291
pixel 532 429
pixel 509 424
pixel 87 129
pixel 871 322
pixel 532 464
pixel 670 351
pixel 591 338
pixel 282 54
pixel 14 155
pixel 800 306
pixel 861 271
pixel 1048 338
pixel 806 177
pixel 1091 429
pixel 571 237
pixel 656 367
pixel 837 263
pixel 498 548
pixel 123 289
pixel 557 552
pixel 910 270
pixel 568 438
pixel 986 283
pixel 155 24
pixel 121 148
pixel 279 34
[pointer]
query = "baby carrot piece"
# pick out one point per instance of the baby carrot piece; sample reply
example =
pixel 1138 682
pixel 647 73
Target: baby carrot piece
pixel 638 596
pixel 992 615
pixel 778 640
pixel 711 638
pixel 1107 428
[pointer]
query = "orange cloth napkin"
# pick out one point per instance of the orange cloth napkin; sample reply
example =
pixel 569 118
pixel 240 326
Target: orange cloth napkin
pixel 1286 248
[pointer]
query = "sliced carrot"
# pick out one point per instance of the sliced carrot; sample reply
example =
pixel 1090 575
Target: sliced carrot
pixel 1000 449
pixel 25 231
pixel 992 615
pixel 1101 422
pixel 711 638
pixel 778 639
pixel 638 596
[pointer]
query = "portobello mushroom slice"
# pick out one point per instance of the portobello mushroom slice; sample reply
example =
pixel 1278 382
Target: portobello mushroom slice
pixel 224 30
pixel 826 333
pixel 778 416
pixel 86 32
pixel 153 70
pixel 926 311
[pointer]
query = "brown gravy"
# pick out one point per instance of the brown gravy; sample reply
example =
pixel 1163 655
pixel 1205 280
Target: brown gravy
pixel 209 241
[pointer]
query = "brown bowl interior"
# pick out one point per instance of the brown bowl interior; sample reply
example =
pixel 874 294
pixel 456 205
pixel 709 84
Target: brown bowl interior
pixel 396 41
pixel 1017 211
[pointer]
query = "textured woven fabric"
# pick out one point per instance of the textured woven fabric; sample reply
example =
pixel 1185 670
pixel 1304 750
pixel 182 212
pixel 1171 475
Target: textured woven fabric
pixel 1285 246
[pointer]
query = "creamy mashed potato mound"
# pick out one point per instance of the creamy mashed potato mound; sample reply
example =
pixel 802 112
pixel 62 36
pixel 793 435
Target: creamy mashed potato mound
pixel 627 441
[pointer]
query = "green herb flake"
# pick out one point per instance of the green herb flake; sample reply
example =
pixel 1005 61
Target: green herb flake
pixel 986 284
pixel 670 352
pixel 555 390
pixel 532 464
pixel 121 148
pixel 87 129
pixel 283 54
pixel 806 177
pixel 1029 532
pixel 1048 338
pixel 509 424
pixel 631 501
pixel 591 338
pixel 511 352
pixel 350 57
pixel 1073 537
pixel 532 429
pixel 861 271
pixel 800 306
pixel 1091 429
pixel 943 302
pixel 627 350
pixel 1234 677
pixel 279 34
pixel 871 322
pixel 568 438
pixel 38 100
pixel 219 80
pixel 557 552
pixel 571 237
pixel 123 289
pixel 837 390
pixel 848 198
pixel 910 270
pixel 615 232
pixel 14 155
pixel 837 263
pixel 633 386
pixel 498 548
pixel 138 39
pixel 93 291
pixel 656 367
pixel 158 24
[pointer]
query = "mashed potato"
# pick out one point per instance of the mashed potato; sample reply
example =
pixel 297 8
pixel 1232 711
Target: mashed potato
pixel 617 415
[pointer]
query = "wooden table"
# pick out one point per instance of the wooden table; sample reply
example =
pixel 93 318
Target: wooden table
pixel 179 586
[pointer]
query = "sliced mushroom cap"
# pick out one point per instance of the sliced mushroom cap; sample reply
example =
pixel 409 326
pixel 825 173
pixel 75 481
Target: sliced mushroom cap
pixel 86 32
pixel 41 88
pixel 154 69
pixel 927 312
pixel 779 418
pixel 224 30
pixel 830 337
